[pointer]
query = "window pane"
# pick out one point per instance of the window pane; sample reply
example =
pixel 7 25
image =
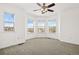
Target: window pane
pixel 52 25
pixel 8 21
pixel 8 17
pixel 30 26
pixel 41 26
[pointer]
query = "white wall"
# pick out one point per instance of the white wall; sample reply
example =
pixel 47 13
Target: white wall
pixel 69 25
pixel 46 33
pixel 18 36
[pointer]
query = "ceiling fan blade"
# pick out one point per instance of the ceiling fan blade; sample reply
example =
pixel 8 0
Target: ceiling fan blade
pixel 50 10
pixel 39 4
pixel 53 4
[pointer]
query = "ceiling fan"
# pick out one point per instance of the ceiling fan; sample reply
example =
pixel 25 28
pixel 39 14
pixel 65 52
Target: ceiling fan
pixel 45 8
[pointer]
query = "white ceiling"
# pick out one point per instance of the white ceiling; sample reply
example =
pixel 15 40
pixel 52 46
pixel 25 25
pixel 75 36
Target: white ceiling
pixel 29 7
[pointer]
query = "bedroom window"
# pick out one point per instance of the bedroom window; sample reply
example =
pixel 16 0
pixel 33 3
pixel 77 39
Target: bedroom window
pixel 52 26
pixel 30 26
pixel 41 26
pixel 8 21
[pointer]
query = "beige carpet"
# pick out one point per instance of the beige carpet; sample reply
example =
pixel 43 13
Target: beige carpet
pixel 42 46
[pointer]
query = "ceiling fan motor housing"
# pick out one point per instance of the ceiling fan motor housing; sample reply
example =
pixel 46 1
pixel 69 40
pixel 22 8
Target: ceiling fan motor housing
pixel 44 8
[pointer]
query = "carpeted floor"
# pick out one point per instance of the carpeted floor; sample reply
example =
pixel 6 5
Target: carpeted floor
pixel 42 46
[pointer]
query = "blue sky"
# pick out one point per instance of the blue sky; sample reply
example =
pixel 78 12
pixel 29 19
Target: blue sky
pixel 30 23
pixel 8 19
pixel 51 23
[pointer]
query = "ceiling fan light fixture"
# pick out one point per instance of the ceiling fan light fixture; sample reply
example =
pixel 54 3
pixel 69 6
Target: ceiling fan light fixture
pixel 44 10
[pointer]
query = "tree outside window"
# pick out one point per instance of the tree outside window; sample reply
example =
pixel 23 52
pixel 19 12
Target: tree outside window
pixel 52 25
pixel 30 26
pixel 41 26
